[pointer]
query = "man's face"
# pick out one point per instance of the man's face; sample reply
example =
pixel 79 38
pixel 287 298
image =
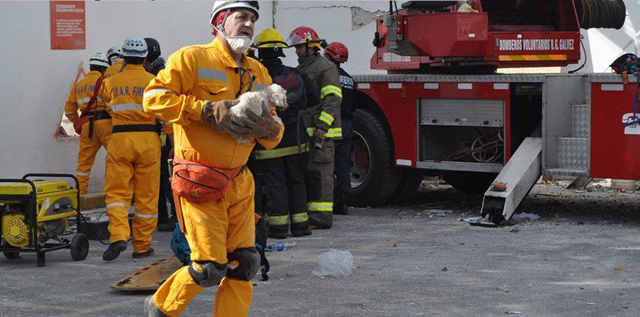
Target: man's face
pixel 301 50
pixel 241 23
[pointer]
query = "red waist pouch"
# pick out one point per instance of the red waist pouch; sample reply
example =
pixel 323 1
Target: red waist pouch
pixel 196 182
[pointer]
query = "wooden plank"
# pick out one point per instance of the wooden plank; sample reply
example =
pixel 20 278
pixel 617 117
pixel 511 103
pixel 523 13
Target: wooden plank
pixel 150 277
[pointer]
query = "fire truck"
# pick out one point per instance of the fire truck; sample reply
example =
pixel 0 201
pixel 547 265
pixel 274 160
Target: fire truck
pixel 442 108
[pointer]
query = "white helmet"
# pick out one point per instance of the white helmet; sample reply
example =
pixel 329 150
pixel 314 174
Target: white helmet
pixel 99 59
pixel 219 6
pixel 134 47
pixel 114 54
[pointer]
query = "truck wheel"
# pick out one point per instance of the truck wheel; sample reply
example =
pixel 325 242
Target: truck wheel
pixel 470 182
pixel 409 183
pixel 374 178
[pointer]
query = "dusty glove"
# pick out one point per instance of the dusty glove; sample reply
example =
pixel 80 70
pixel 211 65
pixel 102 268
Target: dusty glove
pixel 217 115
pixel 263 126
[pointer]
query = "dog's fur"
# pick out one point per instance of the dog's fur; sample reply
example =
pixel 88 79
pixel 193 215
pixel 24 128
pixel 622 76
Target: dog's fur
pixel 257 102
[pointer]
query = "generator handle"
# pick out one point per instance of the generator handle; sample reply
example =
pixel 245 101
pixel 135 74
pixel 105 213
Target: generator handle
pixel 52 175
pixel 48 175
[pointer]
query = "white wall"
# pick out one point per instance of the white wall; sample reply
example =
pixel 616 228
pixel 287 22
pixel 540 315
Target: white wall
pixel 349 22
pixel 35 81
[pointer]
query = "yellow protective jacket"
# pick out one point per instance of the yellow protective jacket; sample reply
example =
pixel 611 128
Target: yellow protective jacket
pixel 80 95
pixel 193 75
pixel 123 93
pixel 113 69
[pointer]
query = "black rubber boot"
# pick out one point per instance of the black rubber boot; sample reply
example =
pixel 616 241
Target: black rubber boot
pixel 138 255
pixel 114 250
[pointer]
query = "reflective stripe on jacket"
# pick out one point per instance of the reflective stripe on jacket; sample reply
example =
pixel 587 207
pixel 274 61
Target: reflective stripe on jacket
pixel 326 115
pixel 123 93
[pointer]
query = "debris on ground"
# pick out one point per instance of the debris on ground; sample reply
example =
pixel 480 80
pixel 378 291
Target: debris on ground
pixel 445 269
pixel 499 187
pixel 334 263
pixel 474 219
pixel 513 312
pixel 619 268
pixel 524 215
pixel 437 212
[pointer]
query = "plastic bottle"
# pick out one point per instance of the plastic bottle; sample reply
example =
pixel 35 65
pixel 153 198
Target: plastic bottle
pixel 280 246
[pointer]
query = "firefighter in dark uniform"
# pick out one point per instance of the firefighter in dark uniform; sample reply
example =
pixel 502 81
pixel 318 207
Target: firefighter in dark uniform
pixel 283 168
pixel 323 124
pixel 338 53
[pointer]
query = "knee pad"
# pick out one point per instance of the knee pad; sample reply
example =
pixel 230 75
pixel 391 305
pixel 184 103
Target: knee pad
pixel 249 264
pixel 207 274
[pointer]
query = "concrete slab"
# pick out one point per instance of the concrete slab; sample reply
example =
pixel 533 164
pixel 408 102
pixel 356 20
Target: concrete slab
pixel 579 259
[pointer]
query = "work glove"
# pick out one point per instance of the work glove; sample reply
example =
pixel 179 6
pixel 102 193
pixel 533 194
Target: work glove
pixel 260 126
pixel 217 115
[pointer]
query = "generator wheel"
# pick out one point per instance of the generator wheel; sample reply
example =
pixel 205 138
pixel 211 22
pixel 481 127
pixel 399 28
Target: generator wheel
pixel 374 178
pixel 470 182
pixel 79 247
pixel 9 254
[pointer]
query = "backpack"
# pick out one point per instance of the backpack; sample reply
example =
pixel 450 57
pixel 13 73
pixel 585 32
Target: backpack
pixel 626 63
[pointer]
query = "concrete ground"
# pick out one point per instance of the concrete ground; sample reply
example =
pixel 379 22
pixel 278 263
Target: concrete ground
pixel 582 258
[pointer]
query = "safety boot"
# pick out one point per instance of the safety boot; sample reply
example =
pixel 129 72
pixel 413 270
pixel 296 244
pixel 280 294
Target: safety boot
pixel 138 255
pixel 273 234
pixel 151 310
pixel 340 204
pixel 114 250
pixel 301 232
pixel 170 225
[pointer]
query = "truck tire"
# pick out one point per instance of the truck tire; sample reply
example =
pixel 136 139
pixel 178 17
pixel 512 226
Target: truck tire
pixel 374 178
pixel 408 186
pixel 470 182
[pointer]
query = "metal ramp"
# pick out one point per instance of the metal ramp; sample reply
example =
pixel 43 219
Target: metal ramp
pixel 519 175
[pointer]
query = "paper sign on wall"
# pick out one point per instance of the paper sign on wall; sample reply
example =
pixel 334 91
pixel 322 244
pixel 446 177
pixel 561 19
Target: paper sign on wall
pixel 68 25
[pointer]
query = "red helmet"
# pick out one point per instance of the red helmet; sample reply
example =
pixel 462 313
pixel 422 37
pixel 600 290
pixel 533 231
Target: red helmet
pixel 304 35
pixel 337 52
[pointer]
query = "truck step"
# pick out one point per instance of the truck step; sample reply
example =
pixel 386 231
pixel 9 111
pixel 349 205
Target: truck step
pixel 580 121
pixel 567 172
pixel 573 153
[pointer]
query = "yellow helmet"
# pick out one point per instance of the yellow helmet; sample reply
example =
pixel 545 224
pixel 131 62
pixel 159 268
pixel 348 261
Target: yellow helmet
pixel 270 38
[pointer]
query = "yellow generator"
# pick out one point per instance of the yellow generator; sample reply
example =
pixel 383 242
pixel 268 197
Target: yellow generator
pixel 35 216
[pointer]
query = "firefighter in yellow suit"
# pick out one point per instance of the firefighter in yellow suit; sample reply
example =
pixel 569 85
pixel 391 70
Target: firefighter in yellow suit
pixel 79 98
pixel 195 92
pixel 133 162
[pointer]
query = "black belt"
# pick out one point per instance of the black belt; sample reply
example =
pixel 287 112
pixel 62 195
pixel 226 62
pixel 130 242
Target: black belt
pixel 135 128
pixel 97 115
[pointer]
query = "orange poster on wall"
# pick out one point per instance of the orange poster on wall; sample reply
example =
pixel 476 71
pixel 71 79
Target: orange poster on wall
pixel 68 25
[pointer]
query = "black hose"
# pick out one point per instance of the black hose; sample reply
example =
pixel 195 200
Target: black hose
pixel 601 13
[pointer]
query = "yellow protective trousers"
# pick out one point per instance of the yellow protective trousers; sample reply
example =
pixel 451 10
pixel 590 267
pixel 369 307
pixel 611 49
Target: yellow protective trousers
pixel 89 147
pixel 133 166
pixel 213 229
